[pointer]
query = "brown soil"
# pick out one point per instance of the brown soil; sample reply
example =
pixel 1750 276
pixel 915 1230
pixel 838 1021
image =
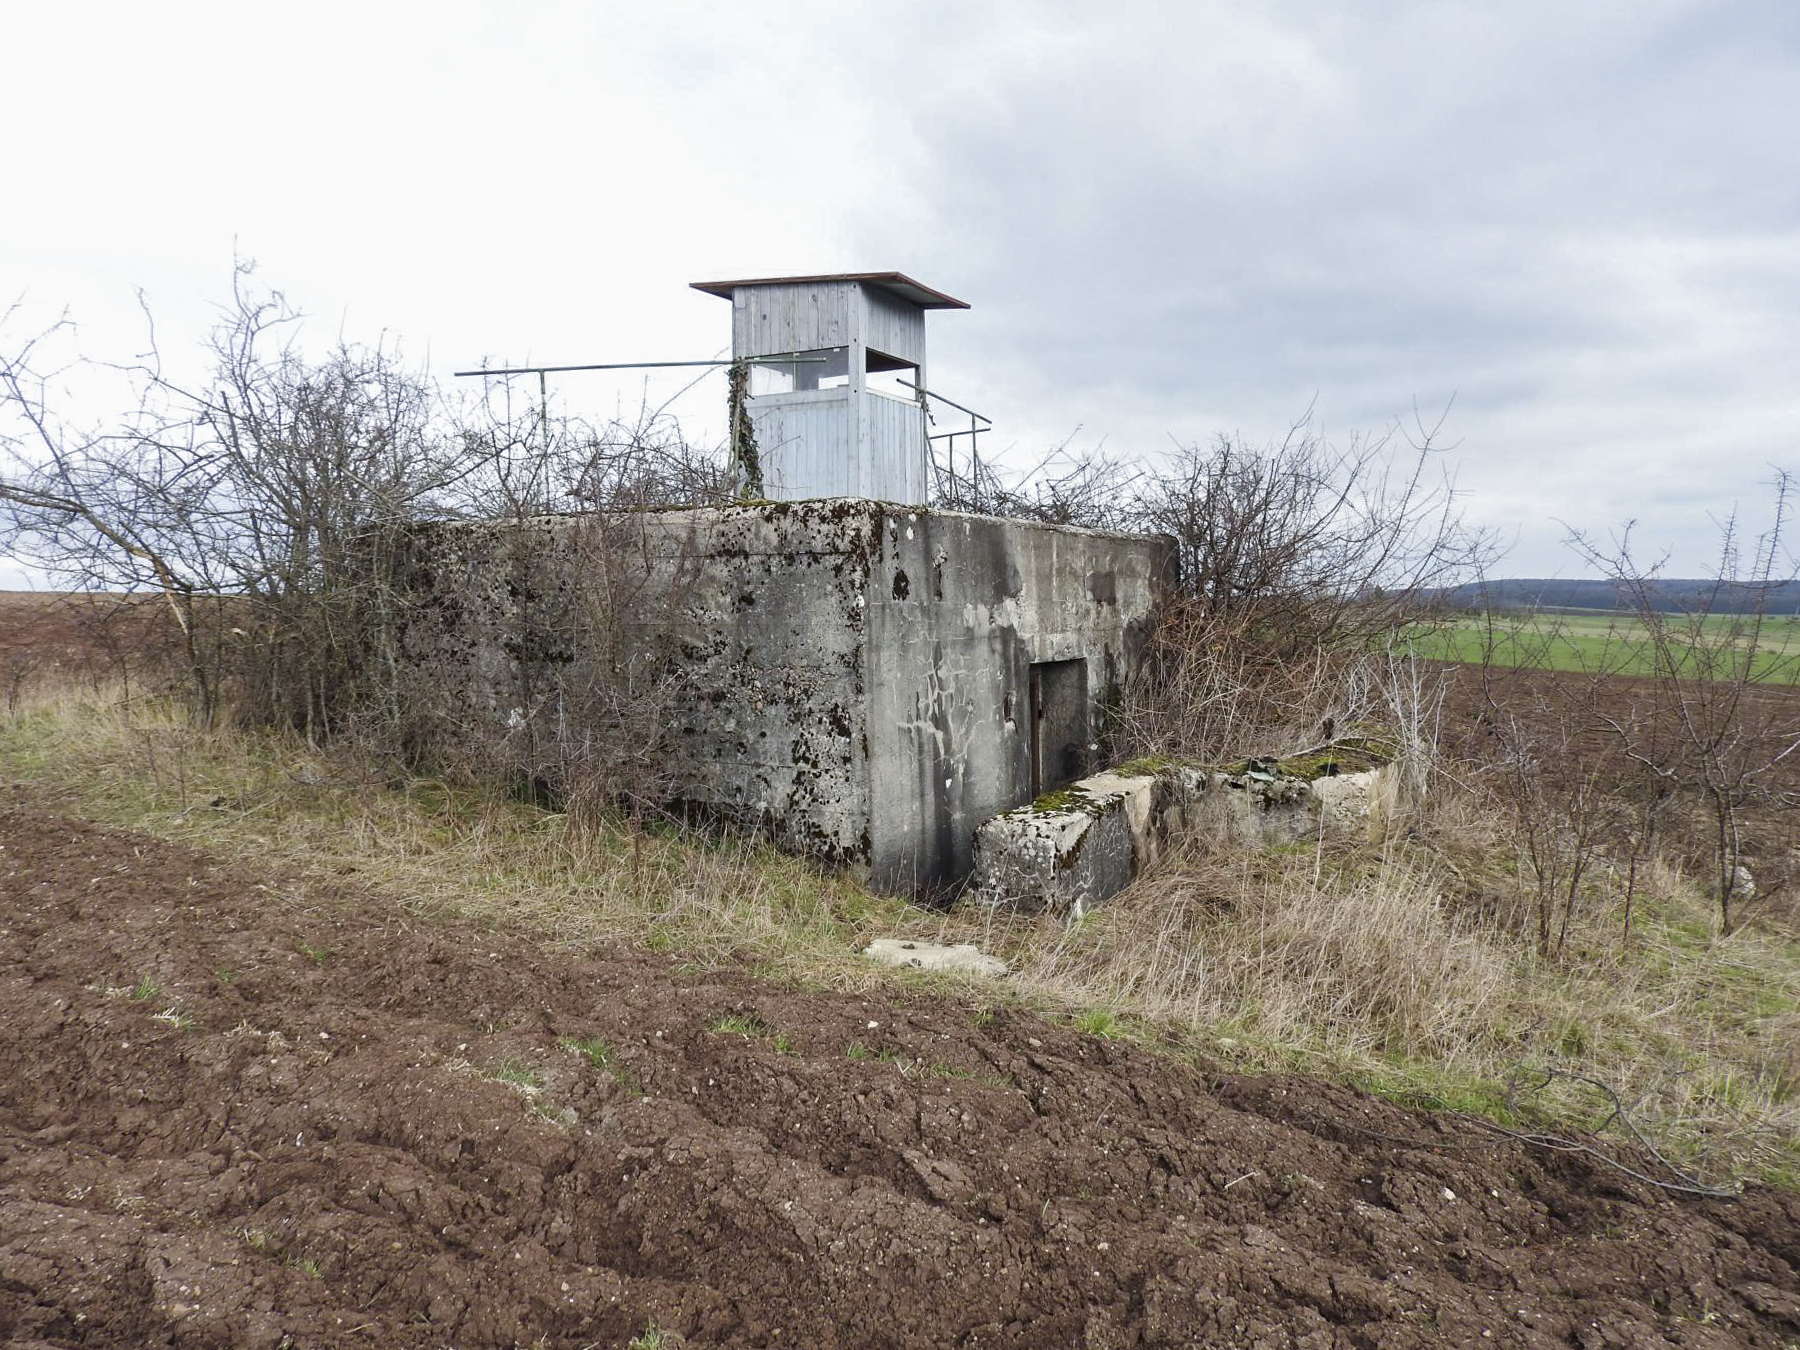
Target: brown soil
pixel 1545 702
pixel 233 1115
pixel 1541 698
pixel 46 636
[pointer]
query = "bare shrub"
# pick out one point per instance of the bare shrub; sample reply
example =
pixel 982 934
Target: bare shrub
pixel 1665 738
pixel 633 572
pixel 598 569
pixel 646 463
pixel 1705 729
pixel 544 461
pixel 1562 822
pixel 267 509
pixel 1304 544
pixel 1539 772
pixel 272 510
pixel 1207 689
pixel 546 653
pixel 1300 543
pixel 1303 566
pixel 1086 488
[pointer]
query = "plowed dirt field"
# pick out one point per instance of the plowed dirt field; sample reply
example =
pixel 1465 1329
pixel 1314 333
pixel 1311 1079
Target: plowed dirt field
pixel 229 1118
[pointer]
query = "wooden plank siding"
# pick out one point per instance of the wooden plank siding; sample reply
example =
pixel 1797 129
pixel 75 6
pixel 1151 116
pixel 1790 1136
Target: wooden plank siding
pixel 807 450
pixel 891 325
pixel 846 442
pixel 770 320
pixel 897 436
pixel 804 441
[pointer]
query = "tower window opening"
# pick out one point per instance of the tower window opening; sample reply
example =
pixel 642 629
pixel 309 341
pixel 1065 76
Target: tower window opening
pixel 882 374
pixel 823 368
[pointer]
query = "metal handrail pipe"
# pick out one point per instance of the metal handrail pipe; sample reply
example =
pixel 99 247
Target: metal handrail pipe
pixel 932 393
pixel 651 365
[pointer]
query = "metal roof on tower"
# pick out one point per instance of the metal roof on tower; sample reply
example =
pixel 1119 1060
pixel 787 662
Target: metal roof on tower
pixel 895 283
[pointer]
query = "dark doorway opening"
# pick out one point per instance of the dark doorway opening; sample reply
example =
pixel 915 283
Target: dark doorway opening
pixel 1059 724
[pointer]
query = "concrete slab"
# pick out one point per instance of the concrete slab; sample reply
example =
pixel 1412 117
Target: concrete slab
pixel 1073 848
pixel 964 956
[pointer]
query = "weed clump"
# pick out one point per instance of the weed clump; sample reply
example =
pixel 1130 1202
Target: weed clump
pixel 751 1027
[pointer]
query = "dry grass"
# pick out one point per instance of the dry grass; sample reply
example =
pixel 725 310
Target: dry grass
pixel 1403 969
pixel 435 847
pixel 1350 966
pixel 1385 968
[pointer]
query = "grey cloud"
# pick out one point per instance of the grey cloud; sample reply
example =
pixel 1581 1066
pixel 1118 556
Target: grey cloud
pixel 1582 220
pixel 1570 216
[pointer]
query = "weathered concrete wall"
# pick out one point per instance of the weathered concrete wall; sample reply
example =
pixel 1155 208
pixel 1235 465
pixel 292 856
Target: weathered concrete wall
pixel 850 676
pixel 960 607
pixel 739 632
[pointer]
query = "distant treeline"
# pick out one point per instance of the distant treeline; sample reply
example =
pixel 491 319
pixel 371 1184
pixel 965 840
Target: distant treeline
pixel 1672 595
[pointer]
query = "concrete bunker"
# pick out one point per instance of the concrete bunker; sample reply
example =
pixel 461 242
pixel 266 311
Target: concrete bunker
pixel 835 664
pixel 861 681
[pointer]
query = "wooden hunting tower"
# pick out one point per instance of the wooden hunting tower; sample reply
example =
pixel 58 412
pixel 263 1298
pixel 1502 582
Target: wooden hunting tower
pixel 844 415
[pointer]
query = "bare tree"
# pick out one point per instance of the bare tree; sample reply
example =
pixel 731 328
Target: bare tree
pixel 267 507
pixel 1309 542
pixel 1708 729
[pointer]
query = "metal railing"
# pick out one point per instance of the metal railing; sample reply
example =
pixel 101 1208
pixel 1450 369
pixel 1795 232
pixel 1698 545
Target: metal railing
pixel 957 491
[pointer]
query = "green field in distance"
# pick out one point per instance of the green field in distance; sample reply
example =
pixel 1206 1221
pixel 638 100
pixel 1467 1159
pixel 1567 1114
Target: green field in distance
pixel 1605 641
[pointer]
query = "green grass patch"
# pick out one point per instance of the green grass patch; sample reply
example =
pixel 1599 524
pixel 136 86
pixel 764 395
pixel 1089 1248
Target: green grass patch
pixel 751 1027
pixel 1413 1086
pixel 1101 1022
pixel 1598 642
pixel 591 1048
pixel 747 1025
pixel 517 1073
pixel 910 1067
pixel 603 1057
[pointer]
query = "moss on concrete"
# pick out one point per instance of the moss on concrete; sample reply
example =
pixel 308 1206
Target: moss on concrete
pixel 1067 799
pixel 1144 766
pixel 1354 754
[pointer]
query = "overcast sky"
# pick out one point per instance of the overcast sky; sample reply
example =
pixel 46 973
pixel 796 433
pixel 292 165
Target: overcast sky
pixel 1580 219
